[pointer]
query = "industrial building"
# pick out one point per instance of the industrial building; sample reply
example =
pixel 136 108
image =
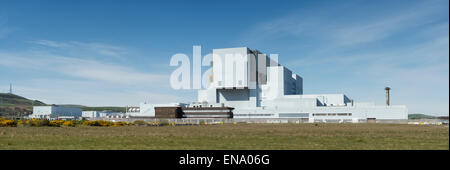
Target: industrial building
pixel 55 112
pixel 257 87
pixel 96 114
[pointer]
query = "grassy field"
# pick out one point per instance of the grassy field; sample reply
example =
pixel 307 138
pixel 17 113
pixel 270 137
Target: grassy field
pixel 229 136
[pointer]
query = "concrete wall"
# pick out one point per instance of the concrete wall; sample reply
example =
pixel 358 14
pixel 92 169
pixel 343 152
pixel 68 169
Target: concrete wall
pixel 329 99
pixel 231 67
pixel 93 114
pixel 55 112
pixel 90 114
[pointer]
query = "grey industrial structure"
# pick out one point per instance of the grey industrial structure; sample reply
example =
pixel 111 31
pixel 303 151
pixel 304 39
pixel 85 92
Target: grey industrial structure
pixel 258 87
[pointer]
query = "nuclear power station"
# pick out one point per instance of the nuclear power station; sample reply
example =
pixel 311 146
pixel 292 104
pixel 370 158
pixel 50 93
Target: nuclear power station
pixel 247 84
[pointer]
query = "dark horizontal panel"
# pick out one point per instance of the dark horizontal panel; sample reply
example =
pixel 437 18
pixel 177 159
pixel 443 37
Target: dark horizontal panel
pixel 208 113
pixel 207 108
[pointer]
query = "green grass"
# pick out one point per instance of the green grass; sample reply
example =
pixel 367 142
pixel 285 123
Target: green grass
pixel 229 136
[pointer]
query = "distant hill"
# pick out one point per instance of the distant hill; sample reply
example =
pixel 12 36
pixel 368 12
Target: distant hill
pixel 420 116
pixel 14 105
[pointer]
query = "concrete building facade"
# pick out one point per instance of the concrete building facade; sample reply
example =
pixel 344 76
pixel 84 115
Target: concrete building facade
pixel 96 114
pixel 55 112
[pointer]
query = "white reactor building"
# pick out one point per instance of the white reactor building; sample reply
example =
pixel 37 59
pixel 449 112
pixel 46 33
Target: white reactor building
pixel 251 85
pixel 257 86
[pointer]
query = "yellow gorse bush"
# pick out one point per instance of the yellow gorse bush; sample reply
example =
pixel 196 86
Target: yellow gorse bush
pixel 69 123
pixel 33 122
pixel 98 123
pixel 56 123
pixel 104 123
pixel 73 123
pixel 117 124
pixel 8 123
pixel 89 123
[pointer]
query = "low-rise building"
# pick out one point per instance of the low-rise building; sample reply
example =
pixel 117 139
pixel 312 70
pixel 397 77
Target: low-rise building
pixel 116 115
pixel 55 112
pixel 96 114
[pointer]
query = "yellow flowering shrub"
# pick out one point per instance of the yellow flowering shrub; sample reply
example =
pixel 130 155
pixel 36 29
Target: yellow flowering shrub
pixel 104 123
pixel 56 123
pixel 69 123
pixel 117 124
pixel 34 122
pixel 89 123
pixel 8 123
pixel 98 123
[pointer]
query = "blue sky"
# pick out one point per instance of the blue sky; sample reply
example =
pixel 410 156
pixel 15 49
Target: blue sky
pixel 117 53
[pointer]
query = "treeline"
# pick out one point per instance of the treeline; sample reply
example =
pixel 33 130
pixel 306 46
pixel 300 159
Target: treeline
pixel 420 116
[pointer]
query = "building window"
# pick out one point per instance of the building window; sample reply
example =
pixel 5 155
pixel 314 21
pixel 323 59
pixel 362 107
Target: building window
pixel 244 115
pixel 332 114
pixel 284 115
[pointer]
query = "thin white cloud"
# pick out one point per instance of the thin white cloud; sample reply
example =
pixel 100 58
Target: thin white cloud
pixel 370 30
pixel 429 52
pixel 326 42
pixel 332 29
pixel 63 79
pixel 52 43
pixel 77 47
pixel 56 91
pixel 81 68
